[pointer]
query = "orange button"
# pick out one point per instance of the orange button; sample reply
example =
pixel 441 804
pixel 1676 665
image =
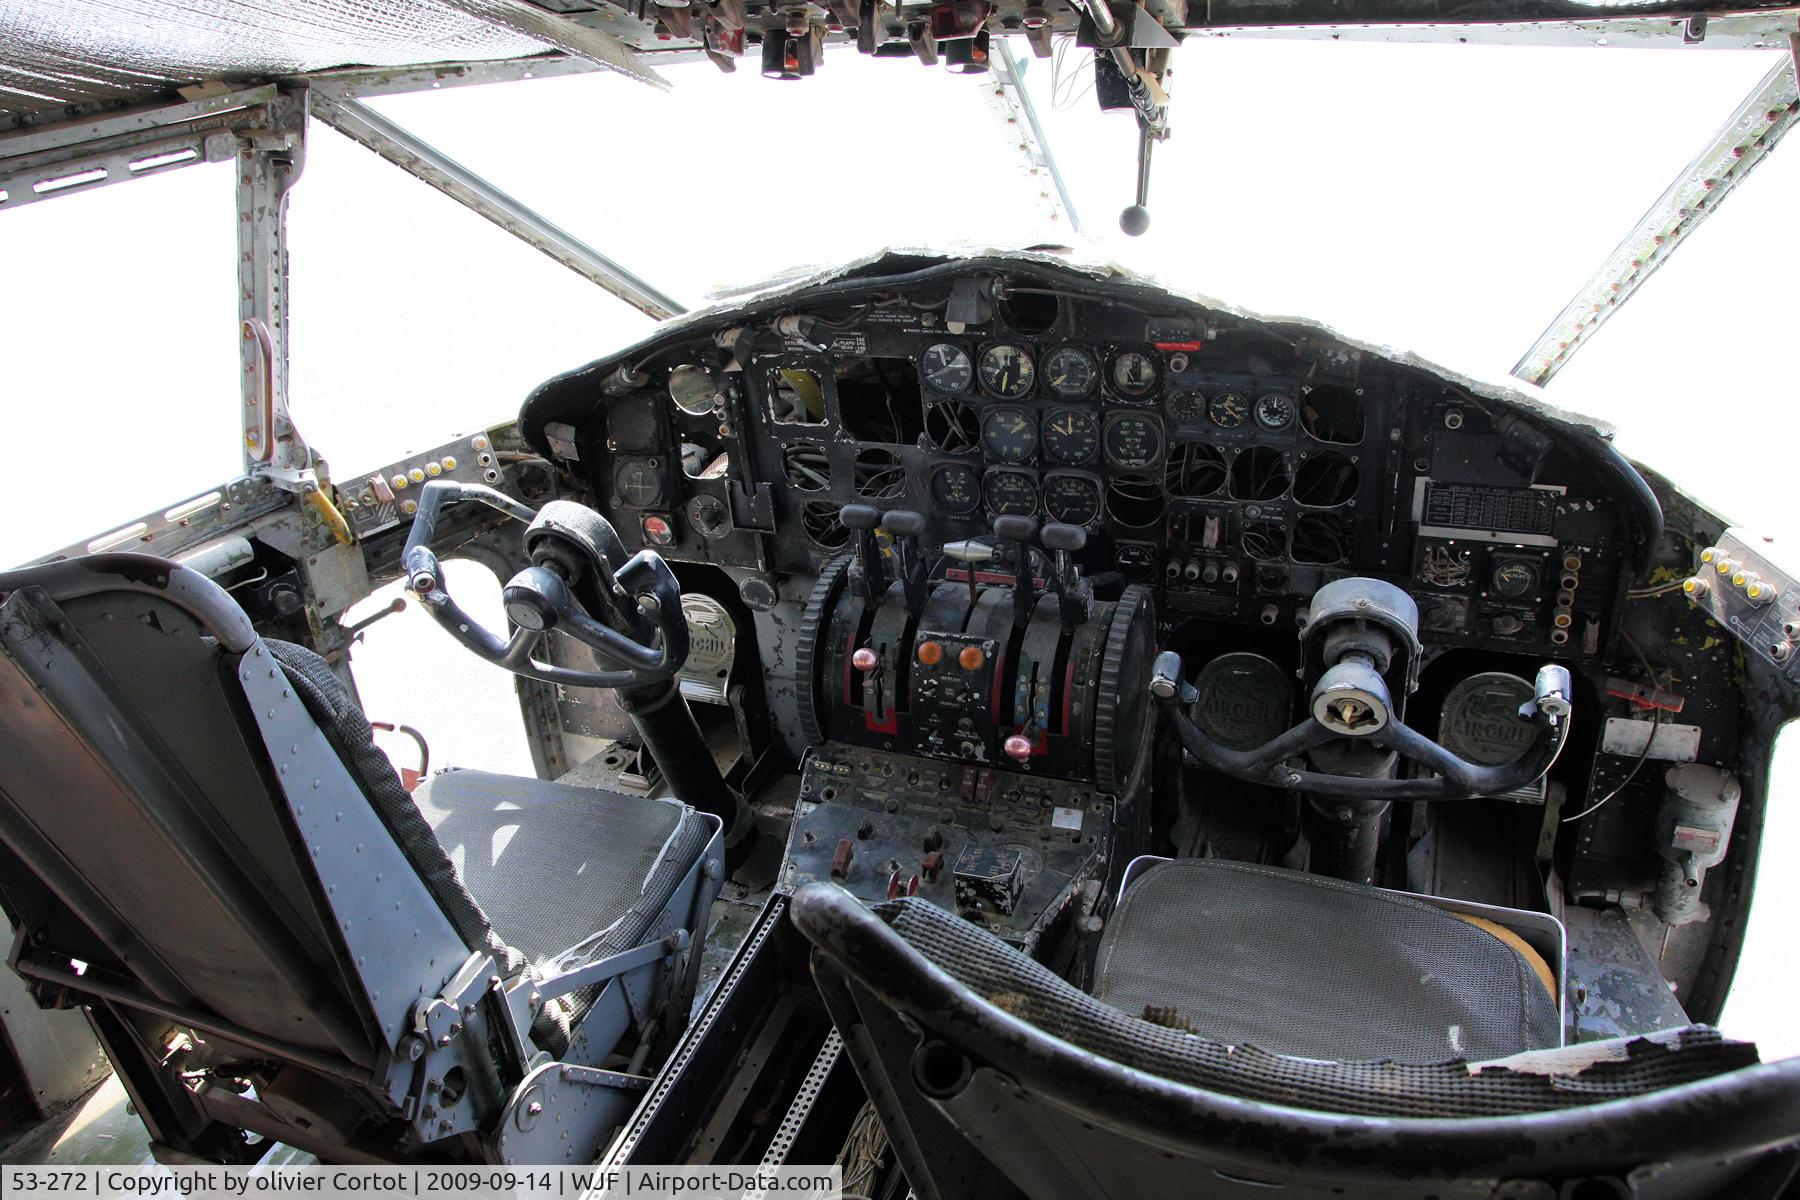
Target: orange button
pixel 931 653
pixel 971 658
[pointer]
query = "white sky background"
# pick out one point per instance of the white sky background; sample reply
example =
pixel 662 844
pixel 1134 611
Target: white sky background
pixel 1446 199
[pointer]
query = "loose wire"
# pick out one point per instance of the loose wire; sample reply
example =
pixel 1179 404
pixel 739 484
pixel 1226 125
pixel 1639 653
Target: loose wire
pixel 1649 741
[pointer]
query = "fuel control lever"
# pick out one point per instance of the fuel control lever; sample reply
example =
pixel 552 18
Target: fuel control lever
pixel 905 527
pixel 1074 595
pixel 1020 531
pixel 868 575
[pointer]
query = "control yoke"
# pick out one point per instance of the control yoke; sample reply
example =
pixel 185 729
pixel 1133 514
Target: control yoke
pixel 626 608
pixel 1360 653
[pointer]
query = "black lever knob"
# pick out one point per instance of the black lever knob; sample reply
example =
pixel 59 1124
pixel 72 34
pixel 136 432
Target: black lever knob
pixel 868 574
pixel 905 527
pixel 1020 530
pixel 860 517
pixel 1063 539
pixel 901 522
pixel 1015 529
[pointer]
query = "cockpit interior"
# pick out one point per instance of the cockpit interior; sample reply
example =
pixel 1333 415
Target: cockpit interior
pixel 969 694
pixel 999 726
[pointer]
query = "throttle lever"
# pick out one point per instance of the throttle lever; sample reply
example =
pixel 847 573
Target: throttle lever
pixel 1062 540
pixel 905 527
pixel 1020 531
pixel 869 575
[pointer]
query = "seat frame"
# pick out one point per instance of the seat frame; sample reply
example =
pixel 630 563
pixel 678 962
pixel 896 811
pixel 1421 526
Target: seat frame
pixel 423 1030
pixel 978 1102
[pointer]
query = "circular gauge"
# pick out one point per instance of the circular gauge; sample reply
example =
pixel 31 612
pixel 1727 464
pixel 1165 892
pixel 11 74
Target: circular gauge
pixel 1006 371
pixel 1011 493
pixel 1071 437
pixel 1072 499
pixel 1009 434
pixel 945 368
pixel 691 388
pixel 956 489
pixel 1133 440
pixel 1228 410
pixel 1515 579
pixel 1185 404
pixel 1070 373
pixel 1133 373
pixel 1274 411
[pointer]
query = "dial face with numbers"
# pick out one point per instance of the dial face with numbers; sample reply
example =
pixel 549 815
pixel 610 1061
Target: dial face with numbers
pixel 1133 440
pixel 1011 493
pixel 1133 373
pixel 1072 499
pixel 1007 371
pixel 1071 437
pixel 1185 404
pixel 1070 373
pixel 946 368
pixel 1274 411
pixel 1228 410
pixel 1009 434
pixel 956 489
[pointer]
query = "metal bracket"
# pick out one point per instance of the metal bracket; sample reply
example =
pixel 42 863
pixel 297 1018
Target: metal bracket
pixel 44 162
pixel 602 970
pixel 563 1113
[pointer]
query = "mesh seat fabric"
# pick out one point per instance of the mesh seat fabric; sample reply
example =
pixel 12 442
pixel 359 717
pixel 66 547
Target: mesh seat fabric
pixel 553 864
pixel 1305 965
pixel 1540 1081
pixel 523 868
pixel 345 727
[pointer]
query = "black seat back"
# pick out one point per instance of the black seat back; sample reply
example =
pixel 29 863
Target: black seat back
pixel 135 793
pixel 199 838
pixel 994 1077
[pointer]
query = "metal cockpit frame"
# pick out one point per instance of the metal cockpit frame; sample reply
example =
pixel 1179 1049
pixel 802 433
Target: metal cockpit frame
pixel 261 126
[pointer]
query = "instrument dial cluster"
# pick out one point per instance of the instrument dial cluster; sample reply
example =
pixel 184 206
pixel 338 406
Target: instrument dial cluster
pixel 1052 426
pixel 1210 455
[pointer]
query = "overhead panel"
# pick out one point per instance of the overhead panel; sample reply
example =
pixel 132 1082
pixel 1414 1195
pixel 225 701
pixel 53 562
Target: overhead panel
pixel 60 53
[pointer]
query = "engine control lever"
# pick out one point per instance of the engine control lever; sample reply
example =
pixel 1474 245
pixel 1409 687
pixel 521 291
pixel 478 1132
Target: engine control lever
pixel 1453 778
pixel 971 554
pixel 1020 531
pixel 868 577
pixel 905 527
pixel 1073 594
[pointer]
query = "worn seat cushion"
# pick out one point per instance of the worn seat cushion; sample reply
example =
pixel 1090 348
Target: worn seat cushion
pixel 1317 968
pixel 558 867
pixel 541 875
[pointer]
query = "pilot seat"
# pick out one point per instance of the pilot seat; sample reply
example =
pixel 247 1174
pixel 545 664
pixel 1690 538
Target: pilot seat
pixel 1258 1032
pixel 202 848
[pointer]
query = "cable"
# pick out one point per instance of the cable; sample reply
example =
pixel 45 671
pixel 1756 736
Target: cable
pixel 1661 589
pixel 1649 741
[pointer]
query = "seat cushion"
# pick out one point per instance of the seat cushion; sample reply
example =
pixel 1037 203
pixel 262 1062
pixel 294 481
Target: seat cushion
pixel 341 720
pixel 558 867
pixel 1313 967
pixel 1000 976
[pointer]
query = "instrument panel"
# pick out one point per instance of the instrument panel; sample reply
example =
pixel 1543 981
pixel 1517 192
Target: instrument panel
pixel 1230 464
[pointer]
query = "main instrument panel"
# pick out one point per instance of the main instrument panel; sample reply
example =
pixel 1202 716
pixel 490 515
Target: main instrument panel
pixel 1232 466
